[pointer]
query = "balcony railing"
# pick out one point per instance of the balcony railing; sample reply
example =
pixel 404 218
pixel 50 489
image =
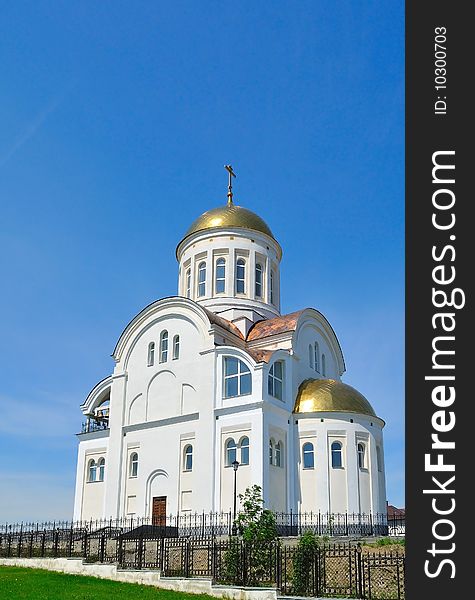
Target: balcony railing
pixel 94 425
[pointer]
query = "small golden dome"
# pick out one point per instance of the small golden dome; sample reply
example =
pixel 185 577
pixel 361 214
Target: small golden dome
pixel 229 216
pixel 329 395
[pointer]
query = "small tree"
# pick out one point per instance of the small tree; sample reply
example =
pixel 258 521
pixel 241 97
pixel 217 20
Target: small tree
pixel 250 558
pixel 303 563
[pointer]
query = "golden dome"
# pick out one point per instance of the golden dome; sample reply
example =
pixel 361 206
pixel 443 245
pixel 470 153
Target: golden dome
pixel 229 215
pixel 329 395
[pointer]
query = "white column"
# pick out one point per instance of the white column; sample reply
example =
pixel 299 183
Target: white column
pixel 114 455
pixel 352 474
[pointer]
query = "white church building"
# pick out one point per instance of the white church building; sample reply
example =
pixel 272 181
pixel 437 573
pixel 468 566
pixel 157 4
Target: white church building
pixel 217 375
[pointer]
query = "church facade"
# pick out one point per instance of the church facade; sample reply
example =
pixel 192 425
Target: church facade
pixel 217 379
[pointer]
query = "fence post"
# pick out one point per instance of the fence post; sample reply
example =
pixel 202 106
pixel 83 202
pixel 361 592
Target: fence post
pixel 102 548
pixel 20 539
pixel 139 552
pixel 120 554
pixel 278 573
pixel 84 541
pixel 359 572
pixel 70 544
pixel 55 542
pixel 30 550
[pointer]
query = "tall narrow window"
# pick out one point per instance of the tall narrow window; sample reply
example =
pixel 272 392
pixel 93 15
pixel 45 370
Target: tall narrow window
pixel 164 346
pixel 92 471
pixel 271 452
pixel 275 380
pixel 102 468
pixel 324 365
pixel 237 378
pixel 272 287
pixel 134 465
pixel 151 354
pixel 176 347
pixel 337 462
pixel 244 450
pixel 278 454
pixel 361 456
pixel 188 458
pixel 308 456
pixel 258 289
pixel 310 356
pixel 230 452
pixel 188 283
pixel 220 276
pixel 240 276
pixel 202 279
pixel 316 354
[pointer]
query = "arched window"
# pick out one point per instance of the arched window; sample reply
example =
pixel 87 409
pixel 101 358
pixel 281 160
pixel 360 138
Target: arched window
pixel 202 279
pixel 240 276
pixel 102 468
pixel 176 347
pixel 188 283
pixel 244 445
pixel 310 356
pixel 272 287
pixel 258 288
pixel 237 378
pixel 316 354
pixel 308 457
pixel 278 454
pixel 361 455
pixel 230 452
pixel 324 365
pixel 379 458
pixel 220 276
pixel 271 452
pixel 275 380
pixel 188 458
pixel 164 346
pixel 337 462
pixel 92 470
pixel 151 354
pixel 134 465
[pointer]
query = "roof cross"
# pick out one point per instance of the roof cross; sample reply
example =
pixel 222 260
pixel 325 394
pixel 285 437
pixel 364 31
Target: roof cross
pixel 232 174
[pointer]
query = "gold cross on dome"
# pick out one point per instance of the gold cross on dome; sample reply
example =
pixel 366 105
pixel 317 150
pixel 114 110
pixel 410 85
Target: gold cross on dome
pixel 232 174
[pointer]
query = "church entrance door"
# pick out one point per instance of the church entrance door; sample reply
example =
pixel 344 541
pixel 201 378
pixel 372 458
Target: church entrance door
pixel 159 510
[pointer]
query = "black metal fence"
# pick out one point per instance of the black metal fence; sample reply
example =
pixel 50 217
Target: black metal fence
pixel 217 524
pixel 332 570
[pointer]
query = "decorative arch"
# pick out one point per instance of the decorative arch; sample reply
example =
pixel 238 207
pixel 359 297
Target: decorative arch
pixel 314 318
pixel 149 486
pixel 162 398
pixel 156 312
pixel 99 394
pixel 136 412
pixel 189 403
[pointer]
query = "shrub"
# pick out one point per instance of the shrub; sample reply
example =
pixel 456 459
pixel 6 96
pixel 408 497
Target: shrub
pixel 303 562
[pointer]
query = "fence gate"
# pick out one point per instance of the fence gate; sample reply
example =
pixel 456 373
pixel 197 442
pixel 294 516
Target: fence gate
pixel 383 577
pixel 337 571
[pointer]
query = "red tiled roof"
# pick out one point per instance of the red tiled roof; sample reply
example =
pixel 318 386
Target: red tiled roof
pixel 396 512
pixel 224 323
pixel 261 355
pixel 268 327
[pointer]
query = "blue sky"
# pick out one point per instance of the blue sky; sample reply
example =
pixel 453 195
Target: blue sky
pixel 116 120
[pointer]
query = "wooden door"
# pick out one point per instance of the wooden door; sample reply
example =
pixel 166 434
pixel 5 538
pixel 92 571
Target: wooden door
pixel 159 510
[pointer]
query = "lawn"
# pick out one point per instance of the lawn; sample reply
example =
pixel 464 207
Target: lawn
pixel 17 583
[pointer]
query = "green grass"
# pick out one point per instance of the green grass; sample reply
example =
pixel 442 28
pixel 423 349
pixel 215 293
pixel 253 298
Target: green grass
pixel 18 583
